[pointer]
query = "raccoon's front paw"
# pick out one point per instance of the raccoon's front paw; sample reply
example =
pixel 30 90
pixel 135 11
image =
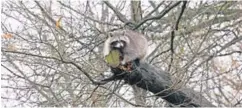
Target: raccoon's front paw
pixel 126 67
pixel 123 62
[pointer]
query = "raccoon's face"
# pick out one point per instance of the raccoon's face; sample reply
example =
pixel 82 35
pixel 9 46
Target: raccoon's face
pixel 119 44
pixel 118 41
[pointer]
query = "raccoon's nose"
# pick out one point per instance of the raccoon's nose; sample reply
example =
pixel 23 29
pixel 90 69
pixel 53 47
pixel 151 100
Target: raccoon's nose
pixel 119 45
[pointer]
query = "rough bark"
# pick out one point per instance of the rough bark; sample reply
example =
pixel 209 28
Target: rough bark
pixel 136 17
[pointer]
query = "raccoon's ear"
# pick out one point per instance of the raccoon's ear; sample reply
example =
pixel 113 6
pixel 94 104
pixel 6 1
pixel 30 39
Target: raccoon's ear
pixel 106 35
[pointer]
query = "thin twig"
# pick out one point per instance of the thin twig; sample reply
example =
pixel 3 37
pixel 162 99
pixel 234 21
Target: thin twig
pixel 156 17
pixel 86 16
pixel 63 61
pixel 180 15
pixel 159 55
pixel 155 9
pixel 120 16
pixel 46 14
pixel 136 105
pixel 173 32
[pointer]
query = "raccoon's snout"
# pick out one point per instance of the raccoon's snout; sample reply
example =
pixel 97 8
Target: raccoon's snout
pixel 117 44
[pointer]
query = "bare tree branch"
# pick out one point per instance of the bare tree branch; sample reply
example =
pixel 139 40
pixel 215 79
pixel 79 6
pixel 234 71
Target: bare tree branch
pixel 119 15
pixel 53 58
pixel 156 17
pixel 173 32
pixel 154 10
pixel 88 17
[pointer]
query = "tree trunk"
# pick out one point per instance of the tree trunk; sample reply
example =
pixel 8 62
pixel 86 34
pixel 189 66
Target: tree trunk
pixel 136 14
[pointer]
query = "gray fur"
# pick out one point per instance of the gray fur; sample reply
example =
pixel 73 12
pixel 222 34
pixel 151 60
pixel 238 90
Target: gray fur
pixel 136 45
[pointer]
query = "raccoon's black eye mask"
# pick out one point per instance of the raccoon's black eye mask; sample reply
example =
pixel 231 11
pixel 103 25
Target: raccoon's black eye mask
pixel 118 44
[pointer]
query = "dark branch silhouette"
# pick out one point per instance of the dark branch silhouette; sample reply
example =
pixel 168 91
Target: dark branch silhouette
pixel 159 82
pixel 158 16
pixel 173 32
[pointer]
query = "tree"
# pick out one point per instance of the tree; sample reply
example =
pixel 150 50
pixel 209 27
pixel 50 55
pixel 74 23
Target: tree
pixel 52 51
